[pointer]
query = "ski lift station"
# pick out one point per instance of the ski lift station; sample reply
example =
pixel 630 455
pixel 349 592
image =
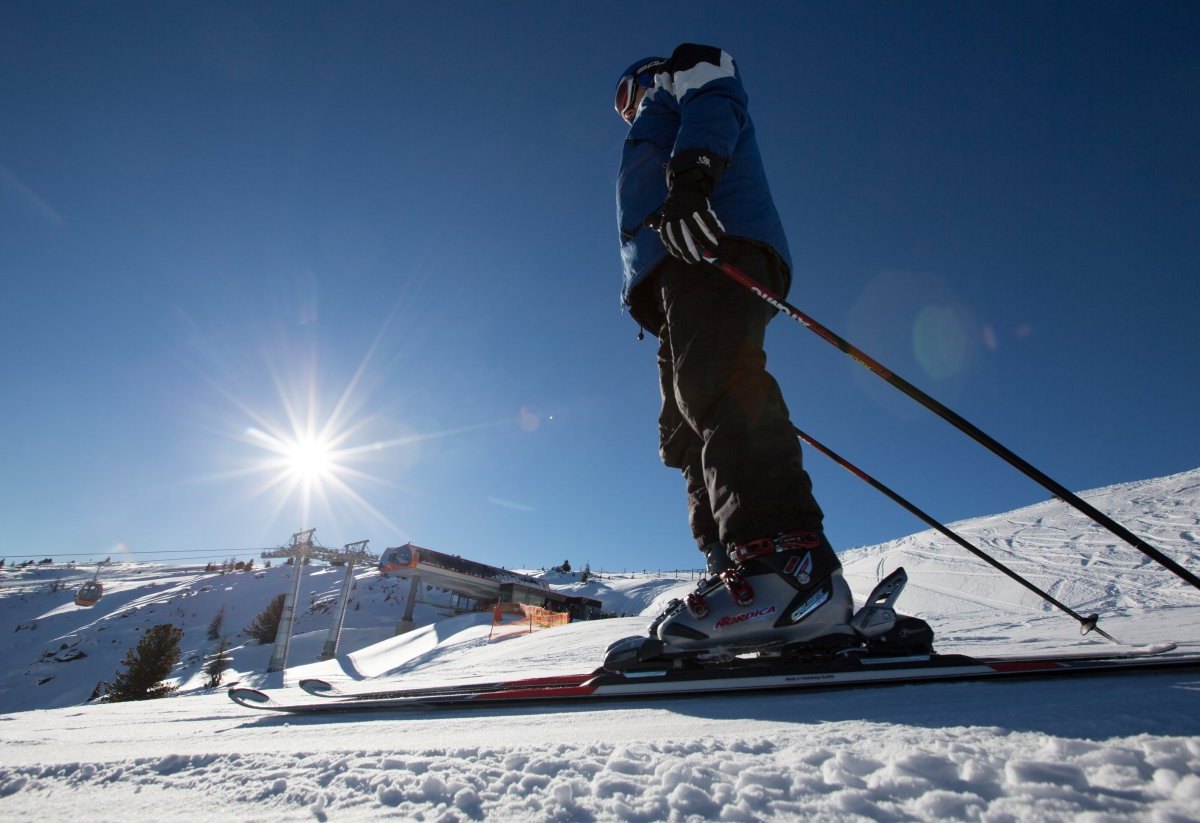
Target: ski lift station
pixel 476 586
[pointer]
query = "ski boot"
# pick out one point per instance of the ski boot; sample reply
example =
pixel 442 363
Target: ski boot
pixel 716 562
pixel 785 594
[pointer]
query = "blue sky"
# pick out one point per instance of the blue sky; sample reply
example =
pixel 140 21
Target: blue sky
pixel 226 222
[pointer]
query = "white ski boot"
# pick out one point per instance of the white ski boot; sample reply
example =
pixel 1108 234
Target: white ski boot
pixel 785 593
pixel 786 599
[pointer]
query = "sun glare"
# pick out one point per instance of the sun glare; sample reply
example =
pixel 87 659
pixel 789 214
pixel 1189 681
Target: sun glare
pixel 311 455
pixel 309 459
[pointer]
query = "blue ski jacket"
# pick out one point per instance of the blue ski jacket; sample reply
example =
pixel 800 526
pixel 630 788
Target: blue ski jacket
pixel 696 105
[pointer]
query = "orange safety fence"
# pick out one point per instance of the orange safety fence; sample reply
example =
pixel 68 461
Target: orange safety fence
pixel 544 618
pixel 531 618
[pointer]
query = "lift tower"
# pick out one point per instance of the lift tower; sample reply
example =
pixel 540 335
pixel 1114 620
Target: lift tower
pixel 301 548
pixel 350 554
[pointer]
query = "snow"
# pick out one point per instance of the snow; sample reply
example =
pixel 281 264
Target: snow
pixel 1095 749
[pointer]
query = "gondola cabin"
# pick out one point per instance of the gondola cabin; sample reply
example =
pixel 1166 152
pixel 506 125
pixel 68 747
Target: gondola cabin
pixel 89 593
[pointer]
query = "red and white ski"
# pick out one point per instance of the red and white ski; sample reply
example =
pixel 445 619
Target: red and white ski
pixel 744 676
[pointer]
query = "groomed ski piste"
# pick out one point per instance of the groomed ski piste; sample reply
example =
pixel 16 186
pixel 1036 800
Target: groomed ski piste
pixel 1102 747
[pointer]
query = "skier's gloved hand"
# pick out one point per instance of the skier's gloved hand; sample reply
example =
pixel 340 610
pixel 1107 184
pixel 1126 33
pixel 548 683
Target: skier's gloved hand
pixel 687 224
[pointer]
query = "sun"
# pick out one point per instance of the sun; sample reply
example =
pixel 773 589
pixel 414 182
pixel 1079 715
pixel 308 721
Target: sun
pixel 310 459
pixel 311 450
pixel 300 458
pixel 306 465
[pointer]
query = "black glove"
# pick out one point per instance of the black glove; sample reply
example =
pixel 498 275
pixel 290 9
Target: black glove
pixel 688 226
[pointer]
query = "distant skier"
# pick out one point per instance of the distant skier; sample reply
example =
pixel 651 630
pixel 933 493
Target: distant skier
pixel 773 577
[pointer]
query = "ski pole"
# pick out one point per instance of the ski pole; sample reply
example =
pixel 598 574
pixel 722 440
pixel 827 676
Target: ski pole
pixel 1086 624
pixel 966 427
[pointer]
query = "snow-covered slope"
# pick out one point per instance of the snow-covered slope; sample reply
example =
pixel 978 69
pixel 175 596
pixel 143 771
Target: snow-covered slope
pixel 58 652
pixel 1097 749
pixel 1059 550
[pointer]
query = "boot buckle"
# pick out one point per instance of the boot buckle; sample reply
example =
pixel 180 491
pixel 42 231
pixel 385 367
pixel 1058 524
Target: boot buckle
pixel 742 592
pixel 782 542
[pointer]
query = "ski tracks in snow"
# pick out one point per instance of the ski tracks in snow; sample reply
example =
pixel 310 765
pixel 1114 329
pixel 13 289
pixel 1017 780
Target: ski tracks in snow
pixel 840 770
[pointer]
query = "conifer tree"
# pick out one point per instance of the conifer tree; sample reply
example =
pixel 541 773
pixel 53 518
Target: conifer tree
pixel 147 665
pixel 220 661
pixel 266 624
pixel 214 628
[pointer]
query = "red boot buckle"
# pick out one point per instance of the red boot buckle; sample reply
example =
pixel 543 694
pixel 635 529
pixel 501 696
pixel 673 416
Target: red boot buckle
pixel 783 542
pixel 696 604
pixel 741 591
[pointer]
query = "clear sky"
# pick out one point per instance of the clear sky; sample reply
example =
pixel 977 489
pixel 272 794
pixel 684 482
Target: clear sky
pixel 226 227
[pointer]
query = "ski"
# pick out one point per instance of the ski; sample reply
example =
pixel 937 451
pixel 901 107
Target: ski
pixel 321 688
pixel 745 676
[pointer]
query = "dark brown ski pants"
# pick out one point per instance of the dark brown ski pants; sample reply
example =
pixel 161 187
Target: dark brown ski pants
pixel 724 422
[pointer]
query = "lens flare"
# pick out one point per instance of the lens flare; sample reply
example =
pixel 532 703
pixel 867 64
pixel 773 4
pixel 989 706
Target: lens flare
pixel 941 342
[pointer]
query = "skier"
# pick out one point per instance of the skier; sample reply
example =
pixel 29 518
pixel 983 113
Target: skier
pixel 774 579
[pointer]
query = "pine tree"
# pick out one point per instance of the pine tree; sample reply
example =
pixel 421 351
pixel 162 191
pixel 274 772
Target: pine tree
pixel 147 666
pixel 266 624
pixel 220 661
pixel 214 628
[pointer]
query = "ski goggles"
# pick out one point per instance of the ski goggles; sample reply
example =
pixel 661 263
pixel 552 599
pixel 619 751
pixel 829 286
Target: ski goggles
pixel 626 99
